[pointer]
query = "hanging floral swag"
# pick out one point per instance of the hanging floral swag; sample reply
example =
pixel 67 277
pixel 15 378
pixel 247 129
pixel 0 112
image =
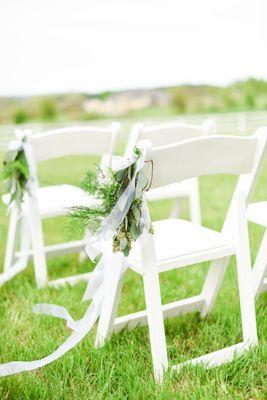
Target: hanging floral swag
pixel 108 188
pixel 16 172
pixel 121 215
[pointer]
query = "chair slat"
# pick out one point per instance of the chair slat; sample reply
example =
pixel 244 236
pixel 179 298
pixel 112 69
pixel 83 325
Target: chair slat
pixel 74 141
pixel 202 156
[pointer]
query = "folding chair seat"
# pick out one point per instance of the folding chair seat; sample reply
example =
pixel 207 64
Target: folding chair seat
pixel 257 213
pixel 165 134
pixel 55 200
pixel 177 243
pixel 198 242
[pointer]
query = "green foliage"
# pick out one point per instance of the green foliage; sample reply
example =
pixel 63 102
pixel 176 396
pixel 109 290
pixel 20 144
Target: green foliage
pixel 107 190
pixel 20 116
pixel 48 109
pixel 179 101
pixel 90 116
pixel 250 101
pixel 15 175
pixel 104 95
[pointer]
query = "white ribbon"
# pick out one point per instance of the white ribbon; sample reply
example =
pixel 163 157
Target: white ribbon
pixel 22 143
pixel 109 264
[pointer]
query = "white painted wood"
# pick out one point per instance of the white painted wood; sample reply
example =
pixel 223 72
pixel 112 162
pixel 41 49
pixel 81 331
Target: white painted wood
pixel 12 239
pixel 173 191
pixel 180 243
pixel 74 141
pixel 60 249
pixel 188 259
pixel 39 260
pixel 244 272
pixel 177 243
pixel 207 156
pixel 177 208
pixel 194 202
pixel 257 214
pixel 70 280
pixel 56 200
pixel 213 283
pixel 264 285
pixel 245 184
pixel 165 134
pixel 169 310
pixel 154 310
pixel 52 201
pixel 215 358
pixel 260 268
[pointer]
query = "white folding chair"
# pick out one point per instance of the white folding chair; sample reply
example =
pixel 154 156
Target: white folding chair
pixel 162 135
pixel 179 243
pixel 257 213
pixel 52 201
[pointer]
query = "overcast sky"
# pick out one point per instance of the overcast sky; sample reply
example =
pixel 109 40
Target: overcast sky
pixel 84 45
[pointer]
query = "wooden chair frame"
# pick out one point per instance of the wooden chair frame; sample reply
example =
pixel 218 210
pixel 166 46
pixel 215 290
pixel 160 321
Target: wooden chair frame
pixel 165 134
pixel 46 146
pixel 260 265
pixel 196 157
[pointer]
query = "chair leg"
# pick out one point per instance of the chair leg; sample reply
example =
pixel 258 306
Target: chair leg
pixel 38 248
pixel 12 239
pixel 155 324
pixel 260 267
pixel 212 283
pixel 176 208
pixel 247 304
pixel 82 254
pixel 109 306
pixel 194 204
pixel 244 274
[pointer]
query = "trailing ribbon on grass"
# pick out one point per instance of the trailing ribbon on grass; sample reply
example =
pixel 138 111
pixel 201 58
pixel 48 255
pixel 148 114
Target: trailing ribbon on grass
pixel 19 182
pixel 110 264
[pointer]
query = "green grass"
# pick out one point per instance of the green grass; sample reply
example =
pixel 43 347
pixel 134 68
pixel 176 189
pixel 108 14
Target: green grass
pixel 122 369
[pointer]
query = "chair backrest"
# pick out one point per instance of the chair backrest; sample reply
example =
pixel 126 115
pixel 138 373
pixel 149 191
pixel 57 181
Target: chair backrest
pixel 208 156
pixel 74 141
pixel 164 134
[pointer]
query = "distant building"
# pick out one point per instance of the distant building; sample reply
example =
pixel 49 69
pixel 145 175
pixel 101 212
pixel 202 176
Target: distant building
pixel 125 102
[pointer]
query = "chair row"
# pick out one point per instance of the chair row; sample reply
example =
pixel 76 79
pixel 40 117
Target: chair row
pixel 176 243
pixel 56 200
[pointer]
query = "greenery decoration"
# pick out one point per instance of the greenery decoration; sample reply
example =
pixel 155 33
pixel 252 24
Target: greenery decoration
pixel 15 174
pixel 108 188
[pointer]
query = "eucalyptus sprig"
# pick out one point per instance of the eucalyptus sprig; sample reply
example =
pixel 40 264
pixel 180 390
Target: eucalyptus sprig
pixel 108 189
pixel 15 174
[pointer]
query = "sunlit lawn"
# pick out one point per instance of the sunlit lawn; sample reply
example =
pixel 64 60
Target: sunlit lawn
pixel 122 369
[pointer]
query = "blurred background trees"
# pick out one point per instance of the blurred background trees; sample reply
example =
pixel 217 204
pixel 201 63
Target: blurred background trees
pixel 48 110
pixel 249 95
